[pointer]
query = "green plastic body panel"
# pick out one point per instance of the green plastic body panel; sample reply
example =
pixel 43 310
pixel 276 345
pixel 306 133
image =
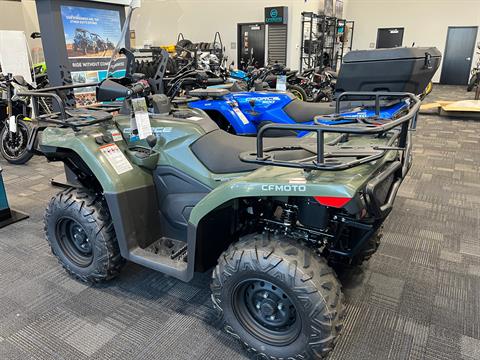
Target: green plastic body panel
pixel 174 148
pixel 83 143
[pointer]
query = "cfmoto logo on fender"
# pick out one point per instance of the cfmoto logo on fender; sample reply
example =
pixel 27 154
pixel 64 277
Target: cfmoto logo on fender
pixel 284 188
pixel 273 13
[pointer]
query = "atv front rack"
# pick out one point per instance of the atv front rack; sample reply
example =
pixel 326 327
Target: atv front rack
pixel 74 118
pixel 340 158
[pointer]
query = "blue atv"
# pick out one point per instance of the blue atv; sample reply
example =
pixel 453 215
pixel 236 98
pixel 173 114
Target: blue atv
pixel 243 113
pixel 392 72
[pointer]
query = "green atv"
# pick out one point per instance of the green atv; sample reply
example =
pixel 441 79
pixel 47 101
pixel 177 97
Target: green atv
pixel 272 216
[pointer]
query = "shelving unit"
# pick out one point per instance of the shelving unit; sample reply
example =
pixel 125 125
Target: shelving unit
pixel 324 40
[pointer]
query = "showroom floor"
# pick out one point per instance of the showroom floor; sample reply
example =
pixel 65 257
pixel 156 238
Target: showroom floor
pixel 418 298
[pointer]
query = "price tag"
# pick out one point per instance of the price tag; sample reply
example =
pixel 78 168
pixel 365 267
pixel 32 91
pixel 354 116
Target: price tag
pixel 281 83
pixel 12 124
pixel 142 119
pixel 116 158
pixel 241 115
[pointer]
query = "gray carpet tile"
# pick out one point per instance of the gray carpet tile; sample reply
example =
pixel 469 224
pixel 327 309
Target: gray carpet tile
pixel 417 298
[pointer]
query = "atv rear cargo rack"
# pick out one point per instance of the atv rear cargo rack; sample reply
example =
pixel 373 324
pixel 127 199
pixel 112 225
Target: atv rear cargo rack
pixel 331 161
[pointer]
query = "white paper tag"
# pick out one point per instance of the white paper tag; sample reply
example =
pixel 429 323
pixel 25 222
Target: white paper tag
pixel 142 119
pixel 281 83
pixel 195 118
pixel 241 115
pixel 12 124
pixel 116 158
pixel 116 135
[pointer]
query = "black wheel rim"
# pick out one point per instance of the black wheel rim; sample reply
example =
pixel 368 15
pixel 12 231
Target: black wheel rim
pixel 15 144
pixel 74 241
pixel 266 312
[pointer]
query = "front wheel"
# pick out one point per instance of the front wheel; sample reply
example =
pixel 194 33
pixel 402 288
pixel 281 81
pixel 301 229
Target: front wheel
pixel 80 232
pixel 278 298
pixel 13 145
pixel 298 92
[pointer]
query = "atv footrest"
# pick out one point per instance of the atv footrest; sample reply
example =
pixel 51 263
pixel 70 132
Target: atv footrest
pixel 165 255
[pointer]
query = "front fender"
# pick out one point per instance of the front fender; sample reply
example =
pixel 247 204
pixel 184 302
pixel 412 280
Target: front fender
pixel 56 140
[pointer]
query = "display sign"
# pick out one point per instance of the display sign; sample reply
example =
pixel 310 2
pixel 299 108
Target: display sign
pixel 276 15
pixel 90 38
pixel 82 51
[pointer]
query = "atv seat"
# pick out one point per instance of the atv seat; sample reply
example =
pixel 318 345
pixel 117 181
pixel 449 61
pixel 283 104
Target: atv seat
pixel 301 111
pixel 209 92
pixel 219 151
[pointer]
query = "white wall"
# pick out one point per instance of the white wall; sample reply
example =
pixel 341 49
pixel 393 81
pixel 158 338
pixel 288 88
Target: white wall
pixel 425 21
pixel 160 21
pixel 11 17
pixel 22 16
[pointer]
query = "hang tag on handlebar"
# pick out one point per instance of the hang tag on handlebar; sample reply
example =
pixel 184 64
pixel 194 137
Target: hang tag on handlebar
pixel 142 119
pixel 281 83
pixel 12 124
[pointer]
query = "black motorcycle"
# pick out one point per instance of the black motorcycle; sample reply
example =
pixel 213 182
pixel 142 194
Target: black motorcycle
pixel 15 126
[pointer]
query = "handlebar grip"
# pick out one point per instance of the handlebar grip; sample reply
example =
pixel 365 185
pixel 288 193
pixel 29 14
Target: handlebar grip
pixel 139 87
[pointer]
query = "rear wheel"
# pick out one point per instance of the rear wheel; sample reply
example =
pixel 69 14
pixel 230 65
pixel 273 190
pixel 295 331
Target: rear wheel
pixel 298 92
pixel 80 232
pixel 13 146
pixel 278 298
pixel 369 249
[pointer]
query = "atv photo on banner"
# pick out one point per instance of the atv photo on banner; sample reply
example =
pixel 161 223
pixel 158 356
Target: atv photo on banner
pixel 90 38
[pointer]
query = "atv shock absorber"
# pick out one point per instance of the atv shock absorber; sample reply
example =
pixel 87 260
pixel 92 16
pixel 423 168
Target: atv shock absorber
pixel 289 215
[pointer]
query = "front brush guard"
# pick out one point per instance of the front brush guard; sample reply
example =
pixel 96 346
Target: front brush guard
pixel 323 160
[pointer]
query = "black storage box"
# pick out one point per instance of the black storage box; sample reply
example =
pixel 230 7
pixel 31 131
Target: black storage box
pixel 397 69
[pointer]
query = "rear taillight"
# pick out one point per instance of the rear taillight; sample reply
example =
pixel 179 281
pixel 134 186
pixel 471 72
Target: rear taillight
pixel 332 201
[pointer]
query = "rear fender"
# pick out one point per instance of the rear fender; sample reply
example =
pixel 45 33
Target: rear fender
pixel 284 183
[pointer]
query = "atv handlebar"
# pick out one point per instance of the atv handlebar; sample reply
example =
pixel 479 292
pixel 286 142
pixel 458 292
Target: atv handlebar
pixel 405 123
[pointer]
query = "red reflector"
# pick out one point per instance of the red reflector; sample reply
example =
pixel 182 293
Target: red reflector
pixel 333 201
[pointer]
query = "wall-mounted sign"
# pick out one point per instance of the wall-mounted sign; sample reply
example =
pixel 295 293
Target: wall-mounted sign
pixel 276 15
